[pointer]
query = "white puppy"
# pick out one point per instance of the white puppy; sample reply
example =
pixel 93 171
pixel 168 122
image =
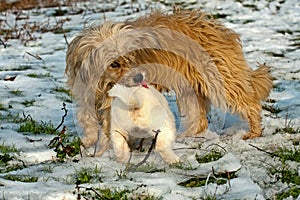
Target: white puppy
pixel 135 112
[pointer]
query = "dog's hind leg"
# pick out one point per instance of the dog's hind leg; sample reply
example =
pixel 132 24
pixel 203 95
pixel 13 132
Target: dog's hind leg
pixel 254 119
pixel 194 112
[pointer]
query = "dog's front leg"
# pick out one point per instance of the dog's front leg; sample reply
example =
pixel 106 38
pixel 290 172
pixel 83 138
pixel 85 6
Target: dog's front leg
pixel 120 146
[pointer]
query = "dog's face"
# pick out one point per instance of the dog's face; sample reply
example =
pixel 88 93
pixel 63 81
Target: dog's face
pixel 116 70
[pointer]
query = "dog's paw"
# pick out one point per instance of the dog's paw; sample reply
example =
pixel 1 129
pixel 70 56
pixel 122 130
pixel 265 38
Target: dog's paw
pixel 251 135
pixel 88 141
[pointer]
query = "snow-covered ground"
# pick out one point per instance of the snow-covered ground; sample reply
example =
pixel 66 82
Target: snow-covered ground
pixel 270 32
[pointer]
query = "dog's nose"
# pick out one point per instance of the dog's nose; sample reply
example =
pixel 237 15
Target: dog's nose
pixel 138 78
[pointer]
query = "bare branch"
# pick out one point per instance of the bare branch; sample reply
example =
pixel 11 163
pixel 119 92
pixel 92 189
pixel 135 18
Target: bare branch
pixel 270 153
pixel 62 118
pixel 2 43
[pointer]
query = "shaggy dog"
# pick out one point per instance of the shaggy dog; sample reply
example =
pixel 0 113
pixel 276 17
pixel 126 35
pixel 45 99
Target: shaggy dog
pixel 136 112
pixel 187 52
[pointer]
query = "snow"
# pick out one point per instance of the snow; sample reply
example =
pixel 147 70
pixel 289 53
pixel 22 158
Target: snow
pixel 267 29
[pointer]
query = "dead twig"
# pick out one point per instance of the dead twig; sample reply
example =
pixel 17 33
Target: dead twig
pixel 134 167
pixel 2 43
pixel 150 149
pixel 217 146
pixel 62 118
pixel 78 187
pixel 270 153
pixel 34 55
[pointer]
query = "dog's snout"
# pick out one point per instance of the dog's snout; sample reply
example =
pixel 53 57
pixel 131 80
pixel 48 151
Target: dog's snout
pixel 138 78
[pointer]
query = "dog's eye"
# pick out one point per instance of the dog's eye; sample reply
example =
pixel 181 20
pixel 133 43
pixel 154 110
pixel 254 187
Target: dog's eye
pixel 115 65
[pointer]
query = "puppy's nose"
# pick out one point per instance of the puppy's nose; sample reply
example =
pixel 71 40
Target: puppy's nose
pixel 138 78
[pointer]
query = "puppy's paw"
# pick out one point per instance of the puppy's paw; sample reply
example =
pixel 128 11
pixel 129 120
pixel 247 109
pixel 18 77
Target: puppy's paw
pixel 115 90
pixel 123 158
pixel 173 160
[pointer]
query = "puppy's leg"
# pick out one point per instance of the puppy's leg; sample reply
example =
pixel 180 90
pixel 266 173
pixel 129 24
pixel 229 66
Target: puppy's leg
pixel 120 146
pixel 254 119
pixel 164 144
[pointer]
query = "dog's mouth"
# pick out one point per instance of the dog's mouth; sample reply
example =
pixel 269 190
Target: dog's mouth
pixel 144 84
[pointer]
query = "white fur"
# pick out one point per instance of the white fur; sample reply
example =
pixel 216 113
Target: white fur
pixel 136 112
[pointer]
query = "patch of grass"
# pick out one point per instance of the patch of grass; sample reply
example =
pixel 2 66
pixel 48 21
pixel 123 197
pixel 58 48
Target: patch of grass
pixel 219 179
pixel 291 192
pixel 121 174
pixel 2 107
pixel 65 99
pixel 34 75
pixel 62 30
pixel 48 168
pixel 287 129
pixel 183 165
pixel 62 90
pixel 5 156
pixel 21 178
pixel 21 68
pixel 88 175
pixel 35 127
pixel 214 155
pixel 8 149
pixel 16 92
pixel 284 172
pixel 288 154
pixel 195 182
pixel 10 163
pixel 14 118
pixel 28 103
pixel 107 193
pixel 146 168
pixel 288 126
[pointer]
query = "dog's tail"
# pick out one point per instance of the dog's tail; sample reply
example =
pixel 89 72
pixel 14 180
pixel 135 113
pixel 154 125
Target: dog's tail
pixel 262 81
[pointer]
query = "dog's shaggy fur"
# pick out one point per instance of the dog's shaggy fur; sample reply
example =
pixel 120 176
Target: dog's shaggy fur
pixel 136 112
pixel 192 54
